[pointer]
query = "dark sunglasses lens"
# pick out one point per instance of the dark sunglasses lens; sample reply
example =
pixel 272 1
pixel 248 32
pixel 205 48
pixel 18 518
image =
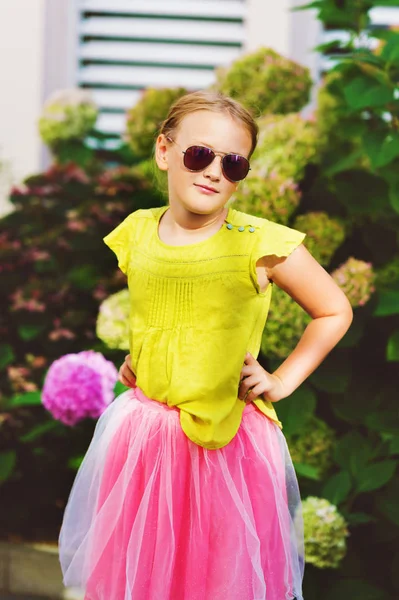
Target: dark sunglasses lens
pixel 235 167
pixel 197 158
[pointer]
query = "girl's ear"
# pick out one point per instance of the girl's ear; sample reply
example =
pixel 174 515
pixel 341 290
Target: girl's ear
pixel 161 152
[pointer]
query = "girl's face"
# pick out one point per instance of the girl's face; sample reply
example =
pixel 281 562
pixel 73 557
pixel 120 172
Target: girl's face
pixel 204 192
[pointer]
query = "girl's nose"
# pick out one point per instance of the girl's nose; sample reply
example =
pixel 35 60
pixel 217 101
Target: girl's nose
pixel 214 170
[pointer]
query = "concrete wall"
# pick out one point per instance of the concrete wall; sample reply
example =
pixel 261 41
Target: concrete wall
pixel 35 59
pixel 21 76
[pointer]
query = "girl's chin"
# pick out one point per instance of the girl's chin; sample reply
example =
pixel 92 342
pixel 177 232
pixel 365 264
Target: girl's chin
pixel 203 205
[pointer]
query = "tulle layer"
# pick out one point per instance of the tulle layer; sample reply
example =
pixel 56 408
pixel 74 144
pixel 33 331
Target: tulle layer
pixel 153 516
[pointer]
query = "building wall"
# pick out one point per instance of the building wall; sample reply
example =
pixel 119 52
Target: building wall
pixel 21 76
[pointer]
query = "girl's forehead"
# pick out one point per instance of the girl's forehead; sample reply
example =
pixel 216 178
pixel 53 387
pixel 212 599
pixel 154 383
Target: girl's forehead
pixel 216 129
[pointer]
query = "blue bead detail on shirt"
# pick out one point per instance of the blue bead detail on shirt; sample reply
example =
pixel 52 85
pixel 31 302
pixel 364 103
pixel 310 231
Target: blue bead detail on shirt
pixel 252 229
pixel 241 228
pixel 229 226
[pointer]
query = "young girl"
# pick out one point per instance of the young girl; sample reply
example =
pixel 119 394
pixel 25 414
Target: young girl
pixel 187 491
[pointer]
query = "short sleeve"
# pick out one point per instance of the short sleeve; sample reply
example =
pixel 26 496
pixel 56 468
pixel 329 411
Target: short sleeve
pixel 275 239
pixel 120 240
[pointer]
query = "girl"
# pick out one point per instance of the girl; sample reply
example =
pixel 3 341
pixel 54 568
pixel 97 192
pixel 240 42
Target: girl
pixel 187 491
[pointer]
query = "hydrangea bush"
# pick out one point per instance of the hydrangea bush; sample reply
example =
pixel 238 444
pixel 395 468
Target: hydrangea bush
pixel 314 445
pixel 325 533
pixel 67 115
pixel 356 278
pixel 145 118
pixel 287 144
pixel 113 321
pixel 266 82
pixel 324 234
pixel 267 194
pixel 285 325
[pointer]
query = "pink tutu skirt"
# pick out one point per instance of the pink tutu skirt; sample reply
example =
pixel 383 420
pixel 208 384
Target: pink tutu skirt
pixel 153 516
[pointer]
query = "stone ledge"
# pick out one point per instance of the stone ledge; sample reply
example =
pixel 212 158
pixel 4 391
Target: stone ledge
pixel 33 569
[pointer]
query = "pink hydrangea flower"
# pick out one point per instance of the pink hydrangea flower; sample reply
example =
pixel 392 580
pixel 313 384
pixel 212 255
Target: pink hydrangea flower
pixel 78 386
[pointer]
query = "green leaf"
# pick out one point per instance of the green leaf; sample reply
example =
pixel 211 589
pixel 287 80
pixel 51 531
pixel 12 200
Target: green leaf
pixel 30 332
pixel 345 163
pixel 353 451
pixel 120 388
pixel 75 462
pixel 354 589
pixel 390 51
pixel 374 476
pixel 362 192
pixel 383 421
pixel 337 488
pixel 315 4
pixel 382 147
pixel 74 151
pixel 28 399
pixel 296 410
pixel 387 304
pixel 394 445
pixel 304 470
pixel 387 501
pixel 393 347
pixel 333 375
pixel 6 355
pixel 82 276
pixel 360 399
pixel 394 195
pixel 7 464
pixel 354 333
pixel 364 57
pixel 384 3
pixel 359 518
pixel 39 430
pixel 363 92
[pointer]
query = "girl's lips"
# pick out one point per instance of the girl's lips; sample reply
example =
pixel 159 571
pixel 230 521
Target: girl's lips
pixel 206 188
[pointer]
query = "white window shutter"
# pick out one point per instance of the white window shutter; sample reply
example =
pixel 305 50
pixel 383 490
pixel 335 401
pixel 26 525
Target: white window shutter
pixel 126 46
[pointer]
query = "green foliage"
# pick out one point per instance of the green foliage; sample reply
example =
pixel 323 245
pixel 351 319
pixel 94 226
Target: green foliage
pixel 287 144
pixel 324 234
pixel 67 115
pixel 285 325
pixel 266 83
pixel 145 118
pixel 113 320
pixel 312 444
pixel 267 195
pixel 56 271
pixel 297 411
pixel 354 185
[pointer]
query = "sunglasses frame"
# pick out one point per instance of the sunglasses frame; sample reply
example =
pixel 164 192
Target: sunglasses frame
pixel 215 154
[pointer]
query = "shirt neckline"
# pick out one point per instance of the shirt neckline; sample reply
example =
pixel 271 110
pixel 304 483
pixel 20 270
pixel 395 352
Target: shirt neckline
pixel 194 244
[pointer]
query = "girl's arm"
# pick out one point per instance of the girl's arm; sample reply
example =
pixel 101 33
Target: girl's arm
pixel 301 276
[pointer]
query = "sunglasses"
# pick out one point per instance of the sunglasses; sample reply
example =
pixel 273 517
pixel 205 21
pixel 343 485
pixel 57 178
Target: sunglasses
pixel 197 158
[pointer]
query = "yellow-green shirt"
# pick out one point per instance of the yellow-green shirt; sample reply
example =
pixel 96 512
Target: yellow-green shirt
pixel 196 310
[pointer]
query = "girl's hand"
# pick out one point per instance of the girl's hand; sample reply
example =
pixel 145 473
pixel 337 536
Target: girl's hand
pixel 255 382
pixel 126 375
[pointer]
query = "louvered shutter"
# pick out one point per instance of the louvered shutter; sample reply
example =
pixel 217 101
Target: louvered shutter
pixel 126 46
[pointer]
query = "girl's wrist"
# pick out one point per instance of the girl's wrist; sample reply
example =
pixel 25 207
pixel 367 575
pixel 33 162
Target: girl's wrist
pixel 277 392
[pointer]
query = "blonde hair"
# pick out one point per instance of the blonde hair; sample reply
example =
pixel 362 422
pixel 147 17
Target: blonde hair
pixel 215 102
